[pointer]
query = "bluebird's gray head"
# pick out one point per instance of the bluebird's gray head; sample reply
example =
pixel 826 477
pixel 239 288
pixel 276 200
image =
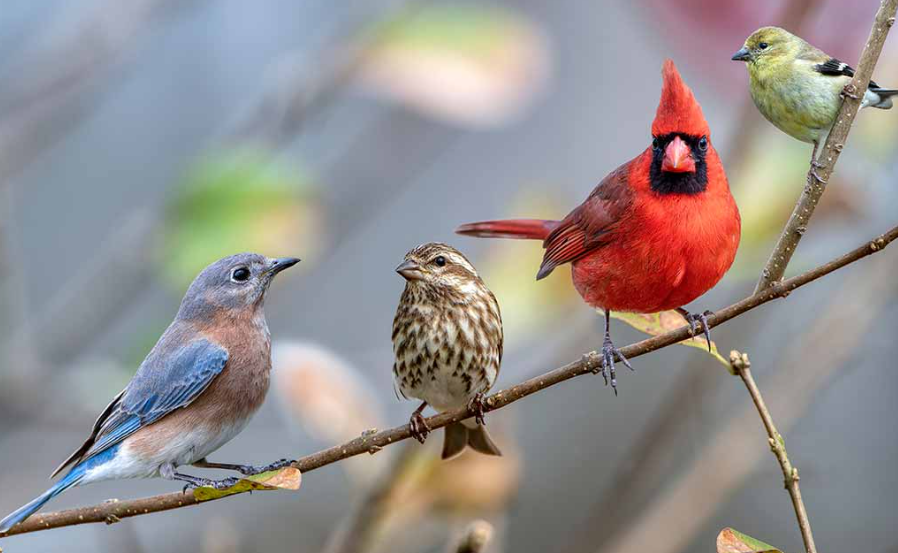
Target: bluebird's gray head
pixel 236 283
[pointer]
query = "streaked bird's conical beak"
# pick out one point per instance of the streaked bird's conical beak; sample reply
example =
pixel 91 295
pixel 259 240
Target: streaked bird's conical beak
pixel 742 55
pixel 410 270
pixel 281 263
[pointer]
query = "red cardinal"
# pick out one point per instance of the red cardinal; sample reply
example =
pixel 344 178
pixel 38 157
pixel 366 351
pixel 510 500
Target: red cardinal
pixel 655 234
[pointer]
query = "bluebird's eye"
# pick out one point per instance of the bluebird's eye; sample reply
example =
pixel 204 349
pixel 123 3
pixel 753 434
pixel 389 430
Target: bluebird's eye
pixel 655 144
pixel 440 261
pixel 240 274
pixel 763 46
pixel 703 144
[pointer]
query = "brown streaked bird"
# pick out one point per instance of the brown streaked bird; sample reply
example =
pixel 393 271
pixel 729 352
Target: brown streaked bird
pixel 447 343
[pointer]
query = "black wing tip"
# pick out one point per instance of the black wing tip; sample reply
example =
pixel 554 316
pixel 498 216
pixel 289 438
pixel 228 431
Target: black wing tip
pixel 834 67
pixel 545 270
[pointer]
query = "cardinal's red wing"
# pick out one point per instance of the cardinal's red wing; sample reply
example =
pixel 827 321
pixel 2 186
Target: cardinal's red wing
pixel 586 227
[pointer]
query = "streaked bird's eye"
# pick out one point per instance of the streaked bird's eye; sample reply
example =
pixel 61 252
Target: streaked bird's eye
pixel 703 144
pixel 763 45
pixel 240 274
pixel 440 261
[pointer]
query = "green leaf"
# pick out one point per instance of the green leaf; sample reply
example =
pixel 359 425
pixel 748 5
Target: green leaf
pixel 655 324
pixel 288 478
pixel 732 541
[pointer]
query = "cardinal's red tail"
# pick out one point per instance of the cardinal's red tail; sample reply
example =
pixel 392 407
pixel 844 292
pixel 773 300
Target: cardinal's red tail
pixel 523 229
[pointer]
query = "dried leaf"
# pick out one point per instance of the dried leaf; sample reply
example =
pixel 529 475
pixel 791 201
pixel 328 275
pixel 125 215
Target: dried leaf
pixel 288 478
pixel 732 541
pixel 655 324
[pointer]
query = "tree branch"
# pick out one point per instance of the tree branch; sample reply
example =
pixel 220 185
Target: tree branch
pixel 835 142
pixel 113 511
pixel 742 366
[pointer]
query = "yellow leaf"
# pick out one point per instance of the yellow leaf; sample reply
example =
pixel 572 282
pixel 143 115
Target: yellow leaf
pixel 655 324
pixel 288 478
pixel 731 541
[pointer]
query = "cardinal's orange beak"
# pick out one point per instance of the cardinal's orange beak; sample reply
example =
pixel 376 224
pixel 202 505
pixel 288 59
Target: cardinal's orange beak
pixel 678 157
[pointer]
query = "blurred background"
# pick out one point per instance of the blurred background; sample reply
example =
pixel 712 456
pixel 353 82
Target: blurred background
pixel 141 140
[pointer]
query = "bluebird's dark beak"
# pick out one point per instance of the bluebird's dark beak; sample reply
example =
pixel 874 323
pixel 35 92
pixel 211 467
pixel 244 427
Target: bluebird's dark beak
pixel 742 55
pixel 281 263
pixel 410 270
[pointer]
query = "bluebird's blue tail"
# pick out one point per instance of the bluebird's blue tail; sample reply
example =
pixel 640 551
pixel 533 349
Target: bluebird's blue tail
pixel 29 509
pixel 71 479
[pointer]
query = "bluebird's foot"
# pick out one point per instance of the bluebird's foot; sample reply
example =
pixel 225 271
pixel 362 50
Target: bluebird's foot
pixel 277 465
pixel 194 482
pixel 693 318
pixel 168 472
pixel 246 470
pixel 476 404
pixel 417 425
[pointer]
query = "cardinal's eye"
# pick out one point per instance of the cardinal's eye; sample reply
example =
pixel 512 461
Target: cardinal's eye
pixel 240 274
pixel 703 144
pixel 655 144
pixel 440 261
pixel 763 45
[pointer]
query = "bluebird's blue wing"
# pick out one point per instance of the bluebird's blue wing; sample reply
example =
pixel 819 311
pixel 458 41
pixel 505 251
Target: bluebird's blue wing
pixel 165 382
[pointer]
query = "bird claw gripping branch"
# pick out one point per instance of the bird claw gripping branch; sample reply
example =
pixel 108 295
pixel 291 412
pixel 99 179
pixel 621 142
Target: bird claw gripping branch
pixel 608 354
pixel 250 470
pixel 418 427
pixel 197 482
pixel 478 407
pixel 693 318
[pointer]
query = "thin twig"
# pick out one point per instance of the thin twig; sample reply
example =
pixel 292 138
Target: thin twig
pixel 835 142
pixel 114 511
pixel 742 366
pixel 475 538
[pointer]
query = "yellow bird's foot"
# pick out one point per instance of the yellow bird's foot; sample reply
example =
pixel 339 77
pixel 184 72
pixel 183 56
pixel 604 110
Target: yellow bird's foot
pixel 849 91
pixel 813 172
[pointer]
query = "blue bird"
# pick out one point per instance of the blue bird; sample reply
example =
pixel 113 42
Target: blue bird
pixel 197 389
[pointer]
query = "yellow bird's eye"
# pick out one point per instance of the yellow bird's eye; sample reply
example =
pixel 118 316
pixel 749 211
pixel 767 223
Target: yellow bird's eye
pixel 763 45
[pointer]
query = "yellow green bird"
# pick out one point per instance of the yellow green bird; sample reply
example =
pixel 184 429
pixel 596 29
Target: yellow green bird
pixel 797 87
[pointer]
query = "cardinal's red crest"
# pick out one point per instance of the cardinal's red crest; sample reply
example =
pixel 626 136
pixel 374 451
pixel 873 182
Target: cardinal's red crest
pixel 678 111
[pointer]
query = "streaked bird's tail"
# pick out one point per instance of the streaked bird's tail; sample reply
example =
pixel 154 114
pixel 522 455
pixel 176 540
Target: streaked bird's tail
pixel 458 437
pixel 34 505
pixel 525 229
pixel 879 97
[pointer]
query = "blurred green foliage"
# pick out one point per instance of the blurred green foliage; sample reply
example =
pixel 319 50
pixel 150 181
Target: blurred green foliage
pixel 234 202
pixel 472 29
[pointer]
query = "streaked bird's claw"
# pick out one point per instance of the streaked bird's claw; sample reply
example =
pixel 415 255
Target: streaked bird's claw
pixel 418 427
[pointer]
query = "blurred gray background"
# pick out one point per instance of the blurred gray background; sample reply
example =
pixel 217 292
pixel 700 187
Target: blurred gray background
pixel 141 140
